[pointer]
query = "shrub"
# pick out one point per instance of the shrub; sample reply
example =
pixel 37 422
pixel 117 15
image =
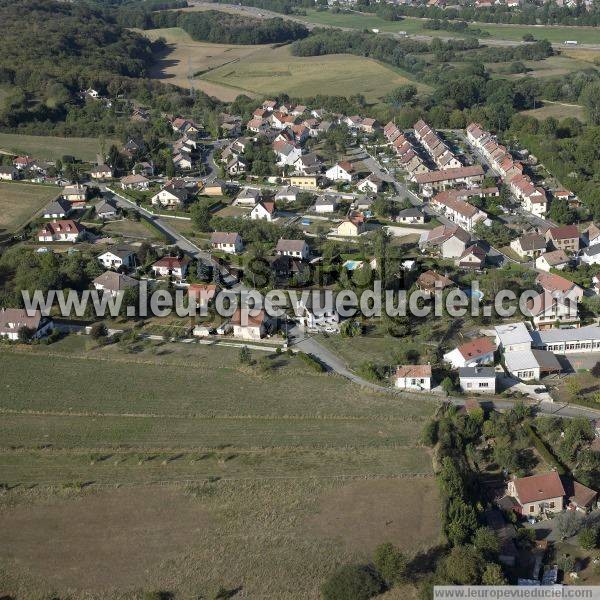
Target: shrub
pixel 390 563
pixel 245 356
pixel 312 362
pixel 429 435
pixel 352 582
pixel 98 330
pixel 588 538
pixel 596 370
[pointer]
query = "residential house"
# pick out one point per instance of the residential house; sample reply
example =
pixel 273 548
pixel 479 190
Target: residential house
pixel 342 171
pixel 288 193
pixel 579 497
pixel 451 240
pixel 326 204
pixel 316 309
pixel 413 377
pixel 293 248
pixel 112 283
pixel 590 255
pixel 434 181
pixel 58 209
pixel 287 154
pixel 263 211
pixel 60 231
pixel 565 238
pixel 532 364
pixel 460 212
pixel 353 226
pixel 591 235
pixel 237 166
pixel 144 168
pixel 134 182
pixel 513 337
pixel 171 266
pixel 431 282
pixel 538 494
pixel 559 286
pixel 248 196
pixel 12 320
pixel 556 259
pixel 549 311
pixel 8 173
pixel 23 162
pixel 371 184
pixel 568 341
pixel 75 194
pixel 202 293
pixel 305 182
pixel 472 354
pixel 170 196
pixel 410 216
pixel 183 161
pixel 117 257
pixel 249 324
pixel 472 258
pixel 106 210
pixel 102 171
pixel 214 188
pixel 477 380
pixel 530 245
pixel 229 242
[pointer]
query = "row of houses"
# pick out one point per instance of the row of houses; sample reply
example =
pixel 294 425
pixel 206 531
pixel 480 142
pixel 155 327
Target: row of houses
pixel 439 151
pixel 406 153
pixel 453 205
pixel 533 198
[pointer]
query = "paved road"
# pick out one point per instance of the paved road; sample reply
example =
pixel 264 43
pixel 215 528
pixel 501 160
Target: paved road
pixel 308 344
pixel 267 14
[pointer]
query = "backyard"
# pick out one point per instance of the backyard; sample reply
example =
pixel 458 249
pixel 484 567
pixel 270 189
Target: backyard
pixel 19 202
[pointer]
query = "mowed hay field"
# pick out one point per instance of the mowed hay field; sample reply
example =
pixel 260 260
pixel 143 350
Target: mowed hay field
pixel 173 467
pixel 226 71
pixel 273 71
pixel 20 201
pixel 51 147
pixel 185 58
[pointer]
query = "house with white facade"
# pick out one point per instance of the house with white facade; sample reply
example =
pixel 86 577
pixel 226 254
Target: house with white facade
pixel 472 354
pixel 477 380
pixel 413 377
pixel 293 248
pixel 225 241
pixel 117 257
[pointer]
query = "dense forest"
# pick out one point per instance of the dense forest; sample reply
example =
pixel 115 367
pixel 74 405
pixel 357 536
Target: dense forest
pixel 226 28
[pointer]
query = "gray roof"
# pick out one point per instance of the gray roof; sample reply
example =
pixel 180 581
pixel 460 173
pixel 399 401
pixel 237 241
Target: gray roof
pixel 105 207
pixel 592 250
pixel 532 241
pixel 476 372
pixel 120 251
pixel 531 359
pixel 326 200
pixel 56 207
pixel 513 333
pixel 591 332
pixel 110 280
pixel 410 212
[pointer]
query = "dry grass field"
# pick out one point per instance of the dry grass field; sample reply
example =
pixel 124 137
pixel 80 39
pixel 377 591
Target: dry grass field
pixel 52 148
pixel 275 539
pixel 558 110
pixel 172 467
pixel 20 201
pixel 225 71
pixel 268 72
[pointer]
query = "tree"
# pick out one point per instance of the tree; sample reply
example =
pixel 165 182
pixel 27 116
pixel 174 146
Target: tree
pixel 245 356
pixel 493 575
pixel 588 538
pixel 447 385
pixel 201 216
pixel 573 387
pixel 463 566
pixel 567 524
pixel 391 563
pixel 561 212
pixel 98 330
pixel 352 582
pixel 25 334
pixel 486 542
pixel 596 370
pixel 429 435
pixel 590 98
pixel 566 563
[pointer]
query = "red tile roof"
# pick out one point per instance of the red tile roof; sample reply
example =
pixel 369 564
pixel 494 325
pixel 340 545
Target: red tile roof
pixel 476 348
pixel 539 487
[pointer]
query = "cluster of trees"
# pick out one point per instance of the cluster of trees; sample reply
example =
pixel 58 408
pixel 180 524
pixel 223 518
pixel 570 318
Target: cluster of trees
pixel 456 26
pixel 569 150
pixel 226 28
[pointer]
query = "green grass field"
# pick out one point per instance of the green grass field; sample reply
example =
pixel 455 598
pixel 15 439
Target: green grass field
pixel 584 35
pixel 201 471
pixel 269 72
pixel 52 148
pixel 20 201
